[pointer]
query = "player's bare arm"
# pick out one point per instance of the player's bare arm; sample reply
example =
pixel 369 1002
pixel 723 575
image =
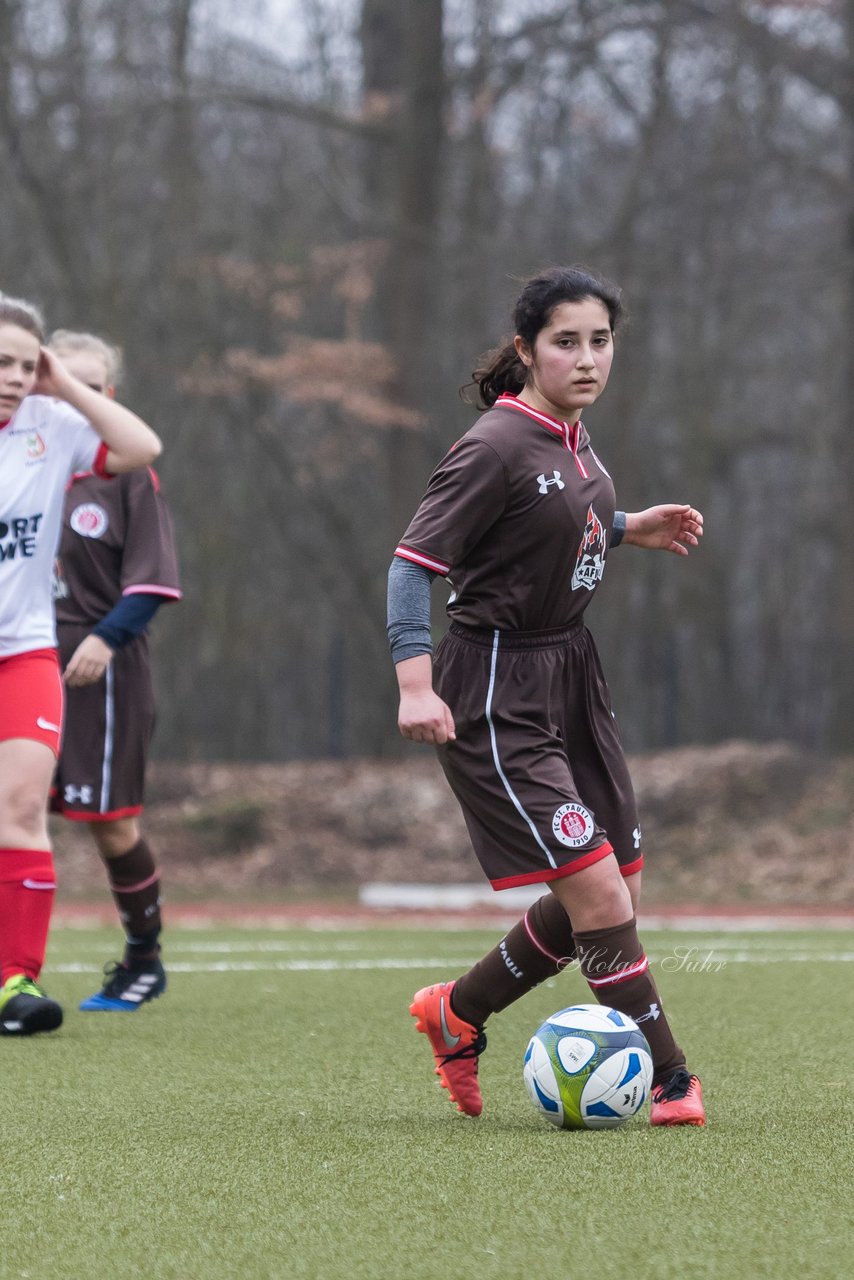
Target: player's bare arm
pixel 423 716
pixel 669 527
pixel 130 442
pixel 88 662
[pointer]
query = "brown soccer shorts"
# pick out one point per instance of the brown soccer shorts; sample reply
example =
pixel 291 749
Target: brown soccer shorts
pixel 537 765
pixel 108 726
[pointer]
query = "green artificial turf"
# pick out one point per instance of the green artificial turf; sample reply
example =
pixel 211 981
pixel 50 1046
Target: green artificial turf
pixel 275 1116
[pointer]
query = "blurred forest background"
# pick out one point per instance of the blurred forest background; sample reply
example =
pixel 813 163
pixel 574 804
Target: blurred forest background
pixel 304 221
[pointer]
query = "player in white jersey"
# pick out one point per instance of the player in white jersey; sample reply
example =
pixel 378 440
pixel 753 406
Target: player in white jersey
pixel 51 426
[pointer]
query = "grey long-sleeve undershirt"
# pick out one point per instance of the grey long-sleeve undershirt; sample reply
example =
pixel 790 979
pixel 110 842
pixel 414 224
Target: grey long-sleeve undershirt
pixel 409 585
pixel 409 631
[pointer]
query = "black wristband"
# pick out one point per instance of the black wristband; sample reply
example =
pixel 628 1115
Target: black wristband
pixel 618 528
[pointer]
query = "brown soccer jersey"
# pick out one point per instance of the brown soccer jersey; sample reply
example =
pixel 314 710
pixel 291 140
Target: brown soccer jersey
pixel 518 515
pixel 117 540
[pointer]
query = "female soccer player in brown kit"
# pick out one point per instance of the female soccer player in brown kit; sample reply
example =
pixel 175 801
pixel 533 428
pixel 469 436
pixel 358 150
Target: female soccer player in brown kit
pixel 117 564
pixel 520 516
pixel 51 425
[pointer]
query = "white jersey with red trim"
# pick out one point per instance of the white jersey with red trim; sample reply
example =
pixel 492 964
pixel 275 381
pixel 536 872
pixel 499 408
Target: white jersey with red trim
pixel 41 447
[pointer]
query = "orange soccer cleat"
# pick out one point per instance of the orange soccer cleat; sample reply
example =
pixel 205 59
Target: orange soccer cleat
pixel 457 1045
pixel 678 1100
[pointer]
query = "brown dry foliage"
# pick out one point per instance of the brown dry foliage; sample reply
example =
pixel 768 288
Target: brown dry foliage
pixel 735 823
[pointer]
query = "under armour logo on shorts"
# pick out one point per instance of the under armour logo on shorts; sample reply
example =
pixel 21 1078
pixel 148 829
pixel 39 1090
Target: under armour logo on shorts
pixel 84 794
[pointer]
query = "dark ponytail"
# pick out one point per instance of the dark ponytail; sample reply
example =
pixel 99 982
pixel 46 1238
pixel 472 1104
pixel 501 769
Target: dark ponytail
pixel 498 371
pixel 501 370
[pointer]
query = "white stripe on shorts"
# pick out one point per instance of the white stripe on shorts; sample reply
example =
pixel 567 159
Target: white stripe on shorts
pixel 109 728
pixel 511 793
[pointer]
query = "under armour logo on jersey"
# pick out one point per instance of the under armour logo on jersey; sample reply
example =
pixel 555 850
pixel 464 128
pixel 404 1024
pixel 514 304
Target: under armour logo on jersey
pixel 554 478
pixel 636 836
pixel 653 1013
pixel 84 794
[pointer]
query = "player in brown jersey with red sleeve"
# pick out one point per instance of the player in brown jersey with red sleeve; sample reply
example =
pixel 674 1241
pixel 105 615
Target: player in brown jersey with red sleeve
pixel 116 565
pixel 520 516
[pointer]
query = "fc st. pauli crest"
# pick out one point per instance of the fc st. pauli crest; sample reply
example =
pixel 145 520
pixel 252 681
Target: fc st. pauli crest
pixel 590 564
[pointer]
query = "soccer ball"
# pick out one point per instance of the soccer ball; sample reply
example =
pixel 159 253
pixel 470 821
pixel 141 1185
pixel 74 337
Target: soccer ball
pixel 588 1067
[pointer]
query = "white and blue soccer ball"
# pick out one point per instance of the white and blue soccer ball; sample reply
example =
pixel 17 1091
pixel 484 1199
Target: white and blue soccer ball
pixel 588 1067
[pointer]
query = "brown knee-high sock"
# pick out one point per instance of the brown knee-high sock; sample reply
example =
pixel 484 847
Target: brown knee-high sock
pixel 617 972
pixel 538 947
pixel 135 884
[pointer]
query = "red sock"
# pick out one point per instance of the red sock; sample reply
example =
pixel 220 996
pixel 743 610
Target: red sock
pixel 27 886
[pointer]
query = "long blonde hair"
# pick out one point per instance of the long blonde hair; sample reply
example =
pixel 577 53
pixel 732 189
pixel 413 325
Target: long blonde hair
pixel 69 341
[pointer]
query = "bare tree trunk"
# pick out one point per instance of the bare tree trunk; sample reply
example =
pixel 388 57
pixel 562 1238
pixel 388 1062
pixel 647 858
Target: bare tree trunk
pixel 411 283
pixel 842 730
pixel 49 213
pixel 480 204
pixel 381 36
pixel 419 191
pixel 403 75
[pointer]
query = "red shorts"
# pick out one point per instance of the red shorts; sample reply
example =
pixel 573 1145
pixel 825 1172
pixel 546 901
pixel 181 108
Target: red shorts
pixel 31 698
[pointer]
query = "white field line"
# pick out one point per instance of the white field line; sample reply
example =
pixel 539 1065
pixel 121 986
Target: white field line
pixel 392 895
pixel 180 947
pixel 744 924
pixel 287 966
pixel 325 925
pixel 688 962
